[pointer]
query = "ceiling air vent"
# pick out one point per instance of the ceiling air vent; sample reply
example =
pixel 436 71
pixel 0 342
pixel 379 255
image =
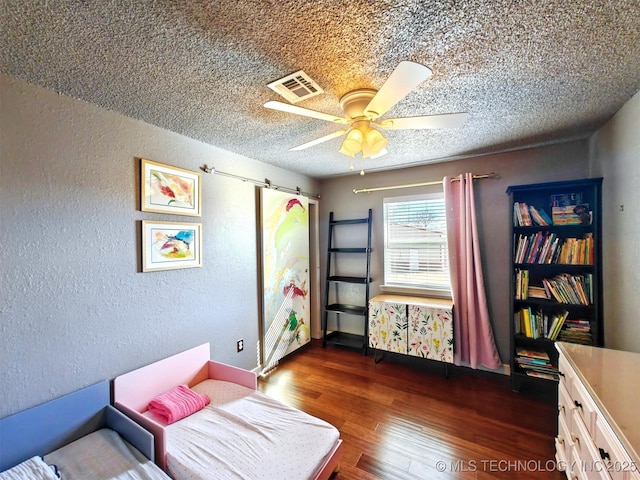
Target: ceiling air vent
pixel 295 87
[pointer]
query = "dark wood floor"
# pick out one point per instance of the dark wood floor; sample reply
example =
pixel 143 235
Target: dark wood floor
pixel 410 422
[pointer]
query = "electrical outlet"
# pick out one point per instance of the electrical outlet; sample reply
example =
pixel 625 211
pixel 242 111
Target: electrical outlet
pixel 240 345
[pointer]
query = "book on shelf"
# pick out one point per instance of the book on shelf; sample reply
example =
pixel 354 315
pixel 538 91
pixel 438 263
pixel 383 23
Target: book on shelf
pixel 525 352
pixel 556 325
pixel 528 215
pixel 536 291
pixel 521 216
pixel 570 289
pixel 536 363
pixel 539 216
pixel 517 214
pixel 539 324
pixel 521 284
pixel 577 331
pixel 571 215
pixel 529 329
pixel 525 215
pixel 548 248
pixel 564 211
pixel 563 288
pixel 545 217
pixel 547 376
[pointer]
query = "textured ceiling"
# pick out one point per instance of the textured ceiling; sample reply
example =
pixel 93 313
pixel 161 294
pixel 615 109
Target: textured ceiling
pixel 528 72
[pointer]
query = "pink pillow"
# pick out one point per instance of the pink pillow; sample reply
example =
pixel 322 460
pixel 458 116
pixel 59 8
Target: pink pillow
pixel 177 403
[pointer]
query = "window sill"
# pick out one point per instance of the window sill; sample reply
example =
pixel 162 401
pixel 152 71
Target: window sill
pixel 422 292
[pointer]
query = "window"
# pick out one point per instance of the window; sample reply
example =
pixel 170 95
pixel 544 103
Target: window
pixel 415 243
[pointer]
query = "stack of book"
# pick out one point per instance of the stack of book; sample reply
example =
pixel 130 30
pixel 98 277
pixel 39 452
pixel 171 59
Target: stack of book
pixel 565 216
pixel 576 331
pixel 536 291
pixel 536 364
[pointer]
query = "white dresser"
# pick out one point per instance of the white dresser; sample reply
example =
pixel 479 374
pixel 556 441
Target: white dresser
pixel 598 413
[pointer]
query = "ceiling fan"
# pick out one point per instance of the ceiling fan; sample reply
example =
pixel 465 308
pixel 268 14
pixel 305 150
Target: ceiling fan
pixel 363 108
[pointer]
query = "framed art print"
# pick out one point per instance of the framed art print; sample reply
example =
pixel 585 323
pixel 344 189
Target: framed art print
pixel 167 246
pixel 167 189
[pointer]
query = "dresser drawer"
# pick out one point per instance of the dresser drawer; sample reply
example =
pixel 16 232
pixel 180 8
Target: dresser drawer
pixel 575 467
pixel 565 405
pixel 581 440
pixel 583 406
pixel 584 448
pixel 563 443
pixel 579 399
pixel 613 456
pixel 565 372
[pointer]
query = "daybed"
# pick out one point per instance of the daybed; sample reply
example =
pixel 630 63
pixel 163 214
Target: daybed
pixel 82 435
pixel 241 433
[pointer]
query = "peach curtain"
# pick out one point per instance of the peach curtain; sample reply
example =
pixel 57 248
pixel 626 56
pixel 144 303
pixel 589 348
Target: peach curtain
pixel 474 343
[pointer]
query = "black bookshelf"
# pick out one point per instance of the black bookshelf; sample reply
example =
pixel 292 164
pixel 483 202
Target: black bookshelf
pixel 570 280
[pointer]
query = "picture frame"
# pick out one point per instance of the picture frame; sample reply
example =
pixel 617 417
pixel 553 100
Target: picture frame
pixel 169 246
pixel 168 189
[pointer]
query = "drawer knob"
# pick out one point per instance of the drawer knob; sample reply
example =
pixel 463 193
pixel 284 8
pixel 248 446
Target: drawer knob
pixel 560 373
pixel 577 403
pixel 603 454
pixel 575 438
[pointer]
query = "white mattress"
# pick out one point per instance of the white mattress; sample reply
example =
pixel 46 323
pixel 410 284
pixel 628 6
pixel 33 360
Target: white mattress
pixel 244 434
pixel 103 455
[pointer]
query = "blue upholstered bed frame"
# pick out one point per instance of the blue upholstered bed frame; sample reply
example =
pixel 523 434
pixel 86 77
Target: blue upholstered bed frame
pixel 51 425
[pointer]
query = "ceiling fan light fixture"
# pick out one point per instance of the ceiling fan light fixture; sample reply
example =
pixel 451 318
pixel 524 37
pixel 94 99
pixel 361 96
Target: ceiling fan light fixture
pixel 344 151
pixel 374 143
pixel 353 143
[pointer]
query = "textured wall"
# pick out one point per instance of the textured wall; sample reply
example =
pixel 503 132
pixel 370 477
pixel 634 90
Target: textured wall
pixel 560 162
pixel 74 307
pixel 614 156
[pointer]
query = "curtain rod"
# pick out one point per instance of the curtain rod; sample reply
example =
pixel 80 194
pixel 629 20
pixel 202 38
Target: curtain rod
pixel 422 184
pixel 263 183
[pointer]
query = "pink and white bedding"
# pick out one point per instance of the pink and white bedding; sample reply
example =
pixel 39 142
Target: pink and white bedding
pixel 244 434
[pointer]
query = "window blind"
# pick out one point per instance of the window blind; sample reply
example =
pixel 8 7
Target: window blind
pixel 415 242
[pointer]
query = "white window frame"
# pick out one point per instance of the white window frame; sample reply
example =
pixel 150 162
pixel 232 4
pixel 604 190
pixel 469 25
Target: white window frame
pixel 414 271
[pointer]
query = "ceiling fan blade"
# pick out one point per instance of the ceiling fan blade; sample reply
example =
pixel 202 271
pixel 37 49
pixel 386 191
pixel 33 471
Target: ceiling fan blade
pixel 285 107
pixel 447 120
pixel 326 138
pixel 405 77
